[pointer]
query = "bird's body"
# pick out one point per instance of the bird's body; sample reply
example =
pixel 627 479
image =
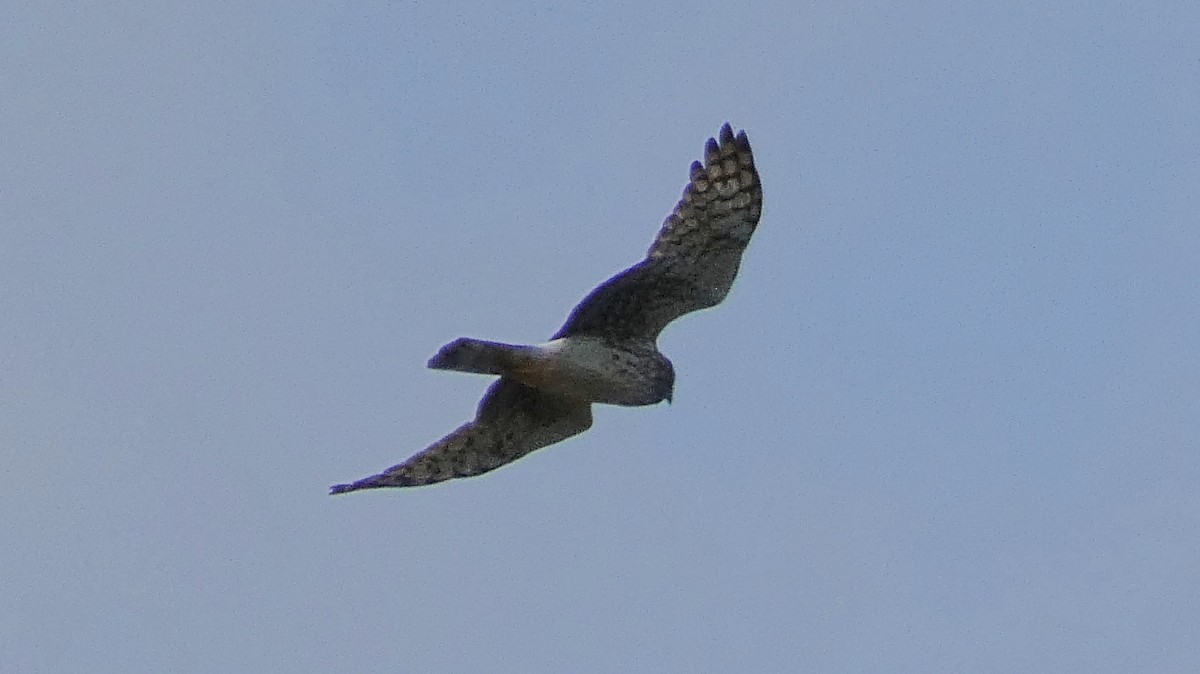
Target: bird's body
pixel 606 351
pixel 581 367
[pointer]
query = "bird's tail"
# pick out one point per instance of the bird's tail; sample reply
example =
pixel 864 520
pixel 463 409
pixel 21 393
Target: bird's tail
pixel 474 355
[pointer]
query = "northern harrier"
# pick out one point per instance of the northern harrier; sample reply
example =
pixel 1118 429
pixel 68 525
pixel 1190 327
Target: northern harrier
pixel 606 352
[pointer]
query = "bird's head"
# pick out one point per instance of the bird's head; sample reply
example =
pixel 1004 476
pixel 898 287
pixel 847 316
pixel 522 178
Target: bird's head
pixel 664 383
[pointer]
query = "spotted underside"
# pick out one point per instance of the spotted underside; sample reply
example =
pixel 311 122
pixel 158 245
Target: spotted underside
pixel 512 420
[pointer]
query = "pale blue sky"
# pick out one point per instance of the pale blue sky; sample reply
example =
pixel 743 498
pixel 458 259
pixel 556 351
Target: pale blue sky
pixel 948 420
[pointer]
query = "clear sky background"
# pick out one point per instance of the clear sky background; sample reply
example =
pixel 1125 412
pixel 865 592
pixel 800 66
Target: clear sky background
pixel 948 420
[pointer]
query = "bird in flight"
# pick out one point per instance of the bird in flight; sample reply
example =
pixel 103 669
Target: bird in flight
pixel 606 352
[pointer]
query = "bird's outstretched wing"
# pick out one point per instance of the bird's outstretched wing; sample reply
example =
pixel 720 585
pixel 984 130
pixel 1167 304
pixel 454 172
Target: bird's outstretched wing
pixel 693 261
pixel 512 421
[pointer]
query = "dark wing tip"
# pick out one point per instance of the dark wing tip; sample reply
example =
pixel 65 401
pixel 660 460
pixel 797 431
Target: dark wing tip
pixel 736 146
pixel 730 144
pixel 365 483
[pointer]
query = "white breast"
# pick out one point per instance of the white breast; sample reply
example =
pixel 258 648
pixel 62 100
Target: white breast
pixel 590 368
